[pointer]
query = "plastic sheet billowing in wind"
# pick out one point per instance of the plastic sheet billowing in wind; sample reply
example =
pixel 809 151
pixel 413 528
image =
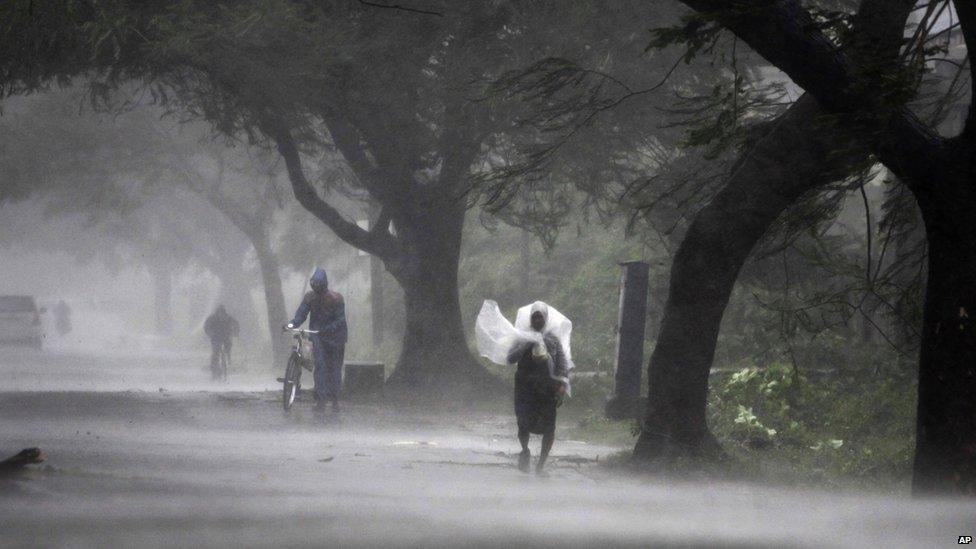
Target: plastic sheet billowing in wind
pixel 496 336
pixel 556 324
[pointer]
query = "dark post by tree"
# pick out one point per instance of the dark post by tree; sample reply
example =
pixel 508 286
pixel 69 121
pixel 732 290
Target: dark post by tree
pixel 378 326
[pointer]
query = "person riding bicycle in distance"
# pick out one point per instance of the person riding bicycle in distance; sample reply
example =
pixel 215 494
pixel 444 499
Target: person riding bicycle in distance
pixel 328 318
pixel 220 327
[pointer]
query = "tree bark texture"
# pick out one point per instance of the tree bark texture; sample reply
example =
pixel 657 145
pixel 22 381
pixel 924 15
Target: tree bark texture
pixel 791 160
pixel 940 174
pixel 435 351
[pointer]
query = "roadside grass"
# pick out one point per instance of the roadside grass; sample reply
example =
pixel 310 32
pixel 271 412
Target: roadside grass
pixel 835 430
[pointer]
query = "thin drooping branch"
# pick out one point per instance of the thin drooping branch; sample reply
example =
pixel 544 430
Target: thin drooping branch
pixel 398 7
pixel 810 59
pixel 867 232
pixel 916 44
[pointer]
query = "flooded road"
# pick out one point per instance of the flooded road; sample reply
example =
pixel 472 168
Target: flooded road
pixel 194 466
pixel 123 370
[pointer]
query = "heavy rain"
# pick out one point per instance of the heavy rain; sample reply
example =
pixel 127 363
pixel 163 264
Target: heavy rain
pixel 423 273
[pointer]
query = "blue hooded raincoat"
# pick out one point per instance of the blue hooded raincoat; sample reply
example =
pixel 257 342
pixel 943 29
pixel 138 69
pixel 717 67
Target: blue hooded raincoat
pixel 326 313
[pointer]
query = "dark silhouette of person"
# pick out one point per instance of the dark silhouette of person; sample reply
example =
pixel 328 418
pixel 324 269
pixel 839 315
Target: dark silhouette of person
pixel 537 393
pixel 328 318
pixel 220 327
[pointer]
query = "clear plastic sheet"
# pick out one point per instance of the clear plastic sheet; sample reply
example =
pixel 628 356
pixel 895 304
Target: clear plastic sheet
pixel 496 335
pixel 556 324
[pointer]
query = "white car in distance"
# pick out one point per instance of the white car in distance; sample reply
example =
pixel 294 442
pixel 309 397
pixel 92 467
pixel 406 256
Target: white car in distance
pixel 20 321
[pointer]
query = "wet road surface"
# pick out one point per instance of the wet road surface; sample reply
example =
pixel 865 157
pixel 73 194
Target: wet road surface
pixel 216 467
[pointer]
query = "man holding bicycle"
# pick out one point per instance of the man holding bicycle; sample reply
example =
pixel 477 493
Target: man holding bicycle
pixel 328 318
pixel 220 327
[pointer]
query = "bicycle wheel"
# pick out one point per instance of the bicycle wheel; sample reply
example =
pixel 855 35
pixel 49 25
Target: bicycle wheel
pixel 219 372
pixel 290 384
pixel 224 363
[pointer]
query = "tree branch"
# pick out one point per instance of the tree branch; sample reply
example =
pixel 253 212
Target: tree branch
pixel 382 223
pixel 247 224
pixel 784 33
pixel 306 195
pixel 400 8
pixel 967 20
pixel 347 140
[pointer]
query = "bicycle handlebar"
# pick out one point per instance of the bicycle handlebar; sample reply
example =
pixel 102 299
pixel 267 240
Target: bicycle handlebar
pixel 299 330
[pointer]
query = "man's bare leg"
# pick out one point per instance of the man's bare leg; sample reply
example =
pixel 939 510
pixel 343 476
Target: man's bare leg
pixel 525 456
pixel 547 439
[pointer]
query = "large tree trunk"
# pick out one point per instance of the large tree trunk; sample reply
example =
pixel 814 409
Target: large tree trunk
pixel 274 298
pixel 792 159
pixel 422 255
pixel 945 444
pixel 435 354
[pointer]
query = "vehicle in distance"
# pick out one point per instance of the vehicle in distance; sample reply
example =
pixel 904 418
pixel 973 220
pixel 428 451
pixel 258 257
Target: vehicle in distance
pixel 20 321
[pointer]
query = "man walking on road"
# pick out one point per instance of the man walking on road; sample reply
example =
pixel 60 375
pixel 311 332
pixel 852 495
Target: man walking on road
pixel 220 327
pixel 328 318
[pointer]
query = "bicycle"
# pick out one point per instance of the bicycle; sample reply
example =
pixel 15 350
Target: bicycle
pixel 300 357
pixel 219 370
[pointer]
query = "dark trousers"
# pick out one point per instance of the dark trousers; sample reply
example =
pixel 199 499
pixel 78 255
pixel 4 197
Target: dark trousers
pixel 328 369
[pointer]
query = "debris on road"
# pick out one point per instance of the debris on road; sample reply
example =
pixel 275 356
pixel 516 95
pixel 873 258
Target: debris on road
pixel 463 463
pixel 414 443
pixel 576 459
pixel 23 458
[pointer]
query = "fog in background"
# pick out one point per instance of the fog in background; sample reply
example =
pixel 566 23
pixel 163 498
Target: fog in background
pixel 140 255
pixel 798 374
